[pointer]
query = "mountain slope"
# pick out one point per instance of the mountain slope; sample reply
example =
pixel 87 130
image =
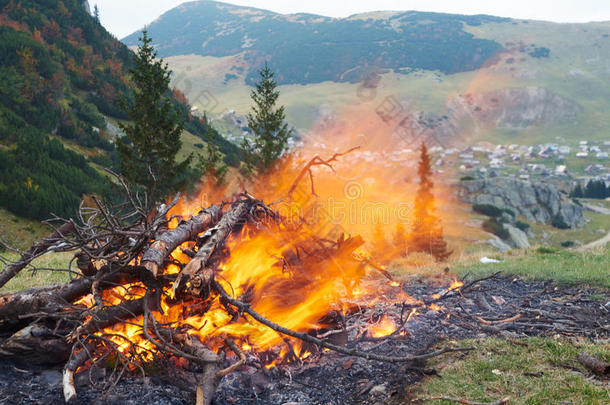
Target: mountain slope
pixel 304 48
pixel 61 76
pixel 531 82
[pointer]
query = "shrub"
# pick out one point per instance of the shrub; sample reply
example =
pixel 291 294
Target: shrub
pixel 543 250
pixel 524 226
pixel 568 243
pixel 559 223
pixel 487 209
pixel 493 226
pixel 466 178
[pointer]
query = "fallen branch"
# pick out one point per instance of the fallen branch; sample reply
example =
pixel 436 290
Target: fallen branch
pixel 498 322
pixel 594 365
pixel 322 343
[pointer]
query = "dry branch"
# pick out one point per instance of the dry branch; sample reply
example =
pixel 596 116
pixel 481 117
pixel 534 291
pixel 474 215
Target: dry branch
pixel 316 161
pixel 38 249
pixel 594 365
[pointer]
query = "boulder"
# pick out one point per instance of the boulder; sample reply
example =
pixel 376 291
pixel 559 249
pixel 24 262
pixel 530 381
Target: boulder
pixel 499 244
pixel 536 202
pixel 517 237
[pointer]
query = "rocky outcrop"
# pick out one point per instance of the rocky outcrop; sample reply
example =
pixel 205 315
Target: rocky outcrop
pixel 517 237
pixel 537 202
pixel 515 108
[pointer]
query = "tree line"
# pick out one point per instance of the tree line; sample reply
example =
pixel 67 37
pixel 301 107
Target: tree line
pixel 592 189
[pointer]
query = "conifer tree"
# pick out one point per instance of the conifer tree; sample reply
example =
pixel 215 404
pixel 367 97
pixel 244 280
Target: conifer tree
pixel 266 121
pixel 577 192
pixel 148 152
pixel 427 233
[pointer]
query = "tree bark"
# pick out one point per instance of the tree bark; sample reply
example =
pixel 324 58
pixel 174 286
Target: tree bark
pixel 196 276
pixel 154 257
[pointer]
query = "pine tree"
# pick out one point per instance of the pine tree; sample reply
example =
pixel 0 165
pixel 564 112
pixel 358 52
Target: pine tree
pixel 148 152
pixel 427 233
pixel 577 192
pixel 211 165
pixel 266 121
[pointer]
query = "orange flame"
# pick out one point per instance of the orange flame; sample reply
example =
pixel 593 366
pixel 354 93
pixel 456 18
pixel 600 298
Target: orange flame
pixel 370 194
pixel 385 327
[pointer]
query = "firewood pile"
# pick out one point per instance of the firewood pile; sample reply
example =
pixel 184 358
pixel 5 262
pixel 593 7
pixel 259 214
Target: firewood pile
pixel 209 289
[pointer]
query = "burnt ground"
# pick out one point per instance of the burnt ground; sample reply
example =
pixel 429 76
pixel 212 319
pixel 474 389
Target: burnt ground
pixel 504 307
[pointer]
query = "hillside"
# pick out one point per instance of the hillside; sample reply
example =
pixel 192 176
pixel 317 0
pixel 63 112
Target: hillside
pixel 61 78
pixel 305 48
pixel 464 78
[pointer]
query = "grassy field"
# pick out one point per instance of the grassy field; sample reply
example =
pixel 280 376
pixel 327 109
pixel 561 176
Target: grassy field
pixel 537 371
pixel 563 266
pixel 27 279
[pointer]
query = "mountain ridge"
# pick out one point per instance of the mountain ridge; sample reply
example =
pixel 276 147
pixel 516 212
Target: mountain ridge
pixel 306 48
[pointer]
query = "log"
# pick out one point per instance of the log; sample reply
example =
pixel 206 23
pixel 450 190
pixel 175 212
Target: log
pixel 597 366
pixel 35 344
pixel 156 254
pixel 196 275
pixel 50 299
pixel 35 251
pixel 59 297
pixel 108 316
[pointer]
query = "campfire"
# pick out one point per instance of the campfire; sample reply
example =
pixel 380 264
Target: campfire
pixel 210 287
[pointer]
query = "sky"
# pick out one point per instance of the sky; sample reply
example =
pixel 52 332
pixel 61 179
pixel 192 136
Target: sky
pixel 122 17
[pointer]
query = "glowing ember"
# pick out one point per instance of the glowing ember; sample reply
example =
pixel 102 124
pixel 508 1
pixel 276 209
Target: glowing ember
pixel 384 328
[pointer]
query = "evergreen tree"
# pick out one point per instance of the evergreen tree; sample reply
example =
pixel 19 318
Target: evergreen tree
pixel 267 124
pixel 211 165
pixel 148 154
pixel 96 14
pixel 427 233
pixel 577 192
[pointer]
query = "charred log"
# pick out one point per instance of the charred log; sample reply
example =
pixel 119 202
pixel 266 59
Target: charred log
pixel 35 344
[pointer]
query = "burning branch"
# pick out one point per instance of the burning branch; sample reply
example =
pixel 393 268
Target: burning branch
pixel 317 161
pixel 135 302
pixel 322 343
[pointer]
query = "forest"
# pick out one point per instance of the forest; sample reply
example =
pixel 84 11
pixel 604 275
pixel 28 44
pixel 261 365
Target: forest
pixel 61 75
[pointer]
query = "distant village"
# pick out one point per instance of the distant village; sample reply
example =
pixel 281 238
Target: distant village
pixel 557 162
pixel 544 161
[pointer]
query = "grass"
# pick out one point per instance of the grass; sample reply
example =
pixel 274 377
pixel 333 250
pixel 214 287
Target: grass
pixel 26 279
pixel 563 266
pixel 20 232
pixel 496 370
